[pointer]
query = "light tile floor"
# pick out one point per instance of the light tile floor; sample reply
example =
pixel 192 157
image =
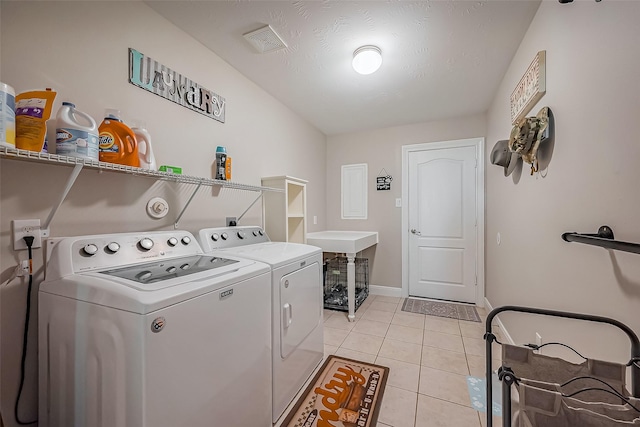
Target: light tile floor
pixel 429 359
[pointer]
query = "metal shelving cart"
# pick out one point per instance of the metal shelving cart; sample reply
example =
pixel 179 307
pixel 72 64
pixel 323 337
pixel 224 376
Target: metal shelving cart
pixel 539 378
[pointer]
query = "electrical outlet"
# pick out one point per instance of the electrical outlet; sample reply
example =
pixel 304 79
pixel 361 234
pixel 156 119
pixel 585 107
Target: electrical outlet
pixel 231 221
pixel 315 220
pixel 26 227
pixel 398 203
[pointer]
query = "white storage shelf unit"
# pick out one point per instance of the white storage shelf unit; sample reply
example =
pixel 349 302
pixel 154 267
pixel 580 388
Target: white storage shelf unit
pixel 285 213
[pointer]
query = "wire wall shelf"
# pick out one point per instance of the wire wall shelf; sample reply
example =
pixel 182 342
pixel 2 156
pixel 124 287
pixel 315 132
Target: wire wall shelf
pixel 40 157
pixel 80 163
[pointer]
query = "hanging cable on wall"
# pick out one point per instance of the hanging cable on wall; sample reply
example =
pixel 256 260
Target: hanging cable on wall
pixel 29 241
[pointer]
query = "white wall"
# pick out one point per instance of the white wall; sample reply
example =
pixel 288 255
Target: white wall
pixel 591 179
pixel 81 50
pixel 382 148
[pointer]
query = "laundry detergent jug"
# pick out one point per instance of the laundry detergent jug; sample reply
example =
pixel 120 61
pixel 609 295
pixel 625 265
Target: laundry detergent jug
pixel 117 141
pixel 145 153
pixel 76 133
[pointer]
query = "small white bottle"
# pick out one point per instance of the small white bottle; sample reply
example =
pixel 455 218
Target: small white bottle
pixel 145 152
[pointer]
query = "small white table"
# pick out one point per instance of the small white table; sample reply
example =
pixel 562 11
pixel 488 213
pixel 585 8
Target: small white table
pixel 349 243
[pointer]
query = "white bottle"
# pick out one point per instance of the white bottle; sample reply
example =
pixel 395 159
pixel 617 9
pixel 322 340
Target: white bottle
pixel 145 152
pixel 76 133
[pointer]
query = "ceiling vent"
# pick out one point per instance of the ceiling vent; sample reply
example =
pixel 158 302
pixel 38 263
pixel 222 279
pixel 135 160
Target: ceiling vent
pixel 265 40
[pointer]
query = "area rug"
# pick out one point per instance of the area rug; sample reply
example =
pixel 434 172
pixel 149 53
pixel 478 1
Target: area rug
pixel 344 393
pixel 441 309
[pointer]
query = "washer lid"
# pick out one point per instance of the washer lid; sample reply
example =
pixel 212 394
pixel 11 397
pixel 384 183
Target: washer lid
pixel 117 289
pixel 166 269
pixel 274 253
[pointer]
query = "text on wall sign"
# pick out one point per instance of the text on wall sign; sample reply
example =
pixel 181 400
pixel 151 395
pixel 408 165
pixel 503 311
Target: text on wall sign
pixel 156 78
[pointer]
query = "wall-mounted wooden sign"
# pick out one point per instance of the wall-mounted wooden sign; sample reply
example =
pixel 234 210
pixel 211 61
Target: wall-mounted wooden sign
pixel 150 75
pixel 530 89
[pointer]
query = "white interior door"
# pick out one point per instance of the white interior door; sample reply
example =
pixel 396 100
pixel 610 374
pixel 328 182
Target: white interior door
pixel 442 208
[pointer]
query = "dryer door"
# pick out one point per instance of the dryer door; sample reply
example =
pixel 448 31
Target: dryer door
pixel 300 306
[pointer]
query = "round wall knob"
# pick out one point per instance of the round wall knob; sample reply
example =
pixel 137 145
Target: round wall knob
pixel 172 241
pixel 90 249
pixel 146 243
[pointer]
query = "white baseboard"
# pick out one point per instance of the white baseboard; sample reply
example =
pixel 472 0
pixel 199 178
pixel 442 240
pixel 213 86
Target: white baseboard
pixel 503 330
pixel 385 291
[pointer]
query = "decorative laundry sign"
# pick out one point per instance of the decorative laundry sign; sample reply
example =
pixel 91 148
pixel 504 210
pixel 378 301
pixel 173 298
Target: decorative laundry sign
pixel 532 86
pixel 383 181
pixel 150 75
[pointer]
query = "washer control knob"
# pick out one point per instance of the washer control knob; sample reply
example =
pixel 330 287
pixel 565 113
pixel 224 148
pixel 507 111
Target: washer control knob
pixel 145 243
pixel 186 240
pixel 113 247
pixel 215 237
pixel 224 236
pixel 255 233
pixel 241 235
pixel 261 232
pixel 144 275
pixel 90 249
pixel 185 266
pixel 172 241
pixel 171 269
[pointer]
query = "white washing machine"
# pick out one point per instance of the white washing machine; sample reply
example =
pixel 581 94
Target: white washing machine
pixel 144 330
pixel 297 306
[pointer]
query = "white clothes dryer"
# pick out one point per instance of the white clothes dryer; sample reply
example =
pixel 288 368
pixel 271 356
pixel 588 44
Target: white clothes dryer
pixel 144 329
pixel 297 305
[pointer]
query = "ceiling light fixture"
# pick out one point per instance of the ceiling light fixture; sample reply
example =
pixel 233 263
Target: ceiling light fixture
pixel 367 59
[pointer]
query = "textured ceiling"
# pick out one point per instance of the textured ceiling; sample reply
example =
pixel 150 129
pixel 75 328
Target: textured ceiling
pixel 441 59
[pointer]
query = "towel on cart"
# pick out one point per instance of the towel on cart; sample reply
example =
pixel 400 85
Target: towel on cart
pixel 544 405
pixel 537 367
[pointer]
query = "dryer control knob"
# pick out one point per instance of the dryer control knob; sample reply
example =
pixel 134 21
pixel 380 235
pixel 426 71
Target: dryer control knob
pixel 185 266
pixel 241 235
pixel 171 269
pixel 145 243
pixel 255 233
pixel 172 241
pixel 186 240
pixel 215 237
pixel 261 232
pixel 113 247
pixel 90 249
pixel 224 236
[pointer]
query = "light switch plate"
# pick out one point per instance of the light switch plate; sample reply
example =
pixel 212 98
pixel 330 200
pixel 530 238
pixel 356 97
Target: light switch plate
pixel 398 203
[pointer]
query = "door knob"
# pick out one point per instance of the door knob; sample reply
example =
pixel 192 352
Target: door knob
pixel 416 232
